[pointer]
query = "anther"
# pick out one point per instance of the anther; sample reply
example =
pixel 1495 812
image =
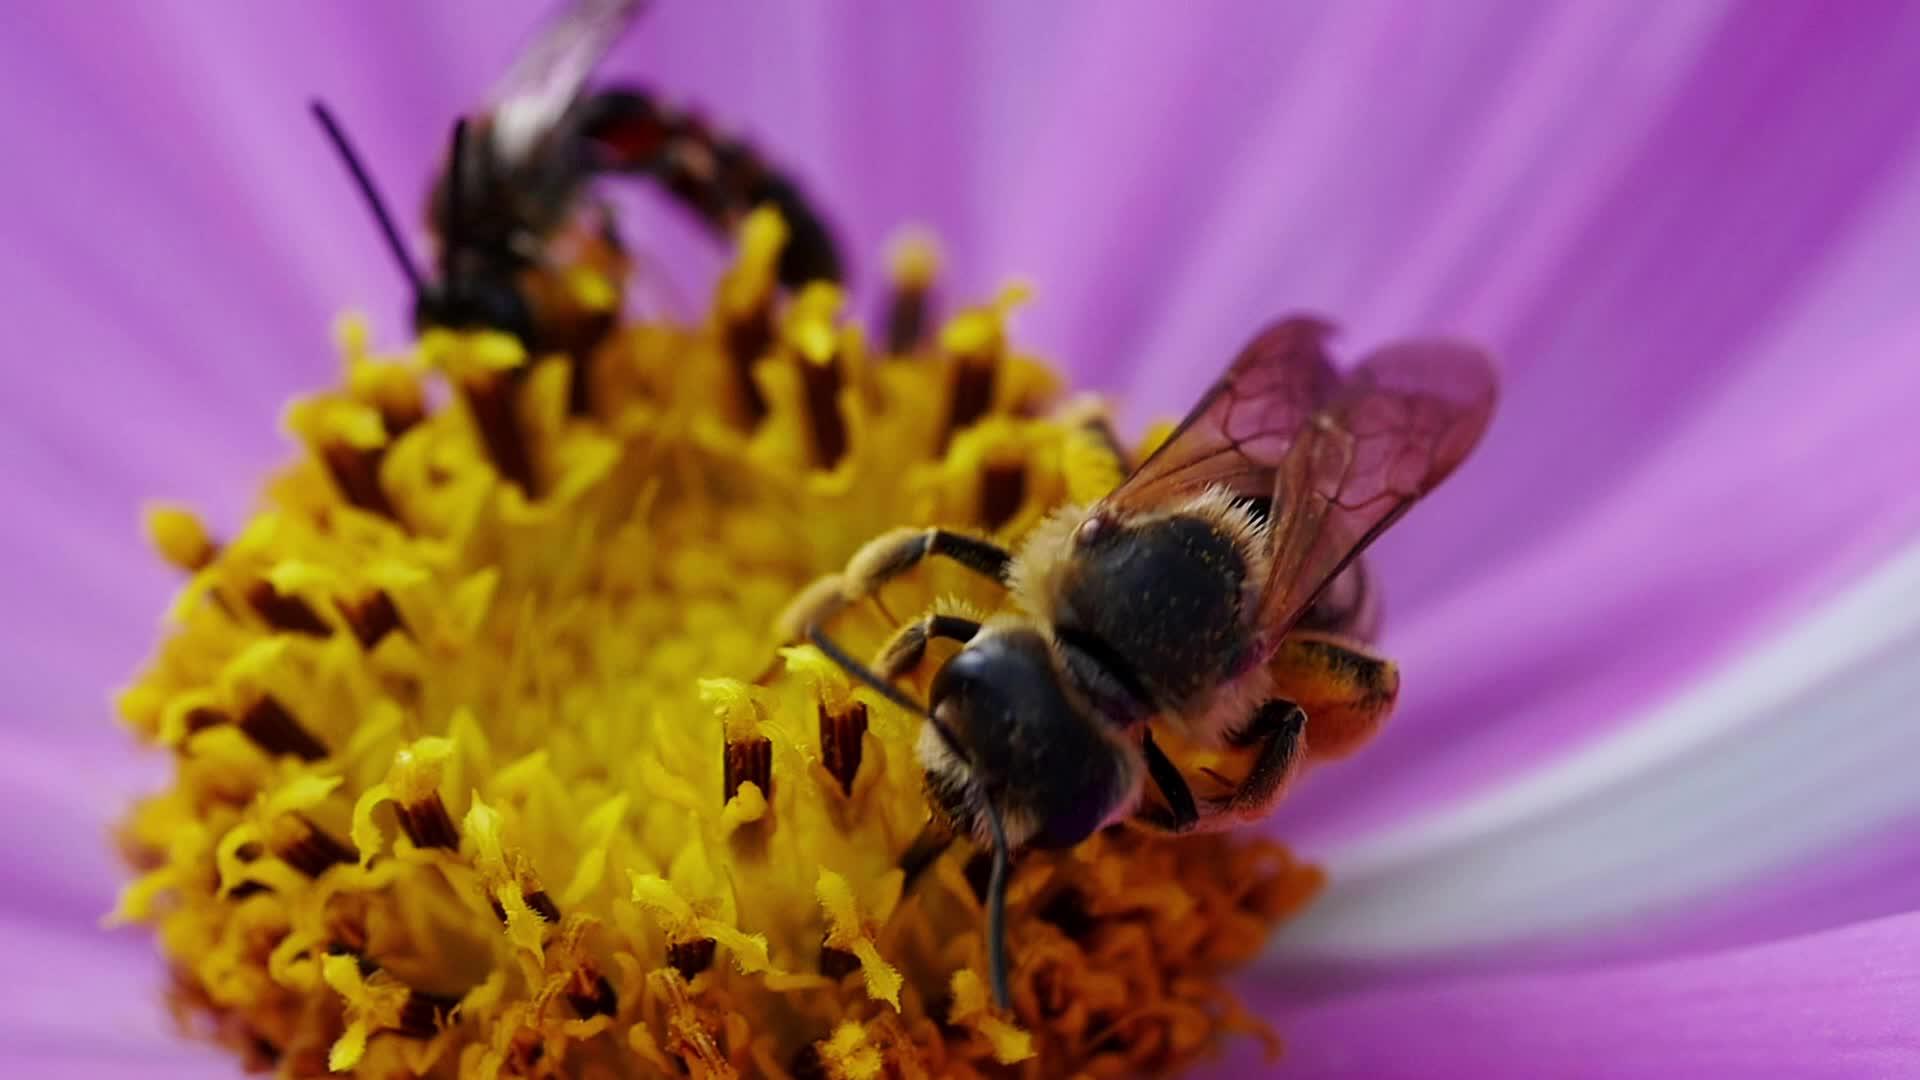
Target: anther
pixel 372 617
pixel 748 334
pixel 542 905
pixel 284 611
pixel 356 472
pixel 427 823
pixel 492 398
pixel 1003 491
pixel 837 963
pixel 842 742
pixel 273 729
pixel 423 1014
pixel 822 384
pixel 976 370
pixel 591 994
pixel 690 958
pixel 311 849
pixel 913 265
pixel 747 760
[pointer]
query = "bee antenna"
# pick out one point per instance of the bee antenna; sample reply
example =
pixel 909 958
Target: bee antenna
pixel 1002 853
pixel 456 184
pixel 865 674
pixel 997 906
pixel 370 194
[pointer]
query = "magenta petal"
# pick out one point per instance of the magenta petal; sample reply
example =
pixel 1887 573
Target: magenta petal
pixel 1837 1004
pixel 80 1004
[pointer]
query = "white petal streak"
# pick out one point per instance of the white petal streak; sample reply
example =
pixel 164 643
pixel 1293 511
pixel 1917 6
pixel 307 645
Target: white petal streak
pixel 1793 751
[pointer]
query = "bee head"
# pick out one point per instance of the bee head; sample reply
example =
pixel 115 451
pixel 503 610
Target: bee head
pixel 478 299
pixel 1004 729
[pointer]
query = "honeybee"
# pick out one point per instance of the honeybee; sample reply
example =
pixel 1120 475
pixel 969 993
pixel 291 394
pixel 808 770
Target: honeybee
pixel 520 244
pixel 1215 595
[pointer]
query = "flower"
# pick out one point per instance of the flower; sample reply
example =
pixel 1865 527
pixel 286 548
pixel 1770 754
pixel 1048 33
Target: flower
pixel 474 770
pixel 1621 613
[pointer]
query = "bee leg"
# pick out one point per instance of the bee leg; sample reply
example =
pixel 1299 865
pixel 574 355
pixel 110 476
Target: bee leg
pixel 934 840
pixel 881 560
pixel 1347 690
pixel 1278 728
pixel 1181 812
pixel 892 554
pixel 908 645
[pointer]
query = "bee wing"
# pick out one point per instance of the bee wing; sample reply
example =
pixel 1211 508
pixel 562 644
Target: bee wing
pixel 537 91
pixel 1390 433
pixel 1240 433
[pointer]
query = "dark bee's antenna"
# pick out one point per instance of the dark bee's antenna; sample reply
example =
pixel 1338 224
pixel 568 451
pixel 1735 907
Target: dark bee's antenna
pixel 456 183
pixel 370 194
pixel 1002 855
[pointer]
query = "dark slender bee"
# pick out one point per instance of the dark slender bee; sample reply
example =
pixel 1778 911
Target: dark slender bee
pixel 1205 597
pixel 521 246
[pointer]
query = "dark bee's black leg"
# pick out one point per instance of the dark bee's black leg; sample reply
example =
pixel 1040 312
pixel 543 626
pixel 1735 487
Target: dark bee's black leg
pixel 908 646
pixel 1181 812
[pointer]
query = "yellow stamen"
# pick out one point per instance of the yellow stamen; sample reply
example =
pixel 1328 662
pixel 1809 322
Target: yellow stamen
pixel 490 763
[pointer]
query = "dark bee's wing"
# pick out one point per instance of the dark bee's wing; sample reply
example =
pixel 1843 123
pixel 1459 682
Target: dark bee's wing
pixel 1392 431
pixel 537 91
pixel 1242 429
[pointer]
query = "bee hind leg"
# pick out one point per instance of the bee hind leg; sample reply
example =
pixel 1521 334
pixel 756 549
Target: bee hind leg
pixel 1345 688
pixel 1278 728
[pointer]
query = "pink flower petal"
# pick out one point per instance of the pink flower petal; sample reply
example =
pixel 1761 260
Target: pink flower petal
pixel 79 1004
pixel 1838 1004
pixel 1792 765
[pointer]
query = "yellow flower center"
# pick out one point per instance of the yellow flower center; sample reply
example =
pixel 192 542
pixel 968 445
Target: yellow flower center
pixel 487 765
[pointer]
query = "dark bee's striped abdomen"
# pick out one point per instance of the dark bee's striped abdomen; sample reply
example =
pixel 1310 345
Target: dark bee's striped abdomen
pixel 1154 609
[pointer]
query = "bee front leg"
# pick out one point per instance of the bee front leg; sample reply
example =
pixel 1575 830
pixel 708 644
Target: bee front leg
pixel 1181 813
pixel 908 645
pixel 879 561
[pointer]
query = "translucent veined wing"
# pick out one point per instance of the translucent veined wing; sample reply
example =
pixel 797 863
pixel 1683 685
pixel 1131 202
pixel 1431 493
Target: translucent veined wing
pixel 1241 431
pixel 536 92
pixel 1391 432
